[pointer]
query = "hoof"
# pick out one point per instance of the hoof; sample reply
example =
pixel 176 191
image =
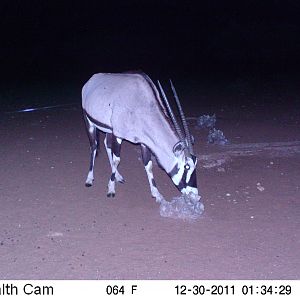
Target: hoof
pixel 88 184
pixel 121 181
pixel 111 195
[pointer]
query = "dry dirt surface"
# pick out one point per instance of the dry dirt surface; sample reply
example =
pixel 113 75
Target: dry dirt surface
pixel 53 227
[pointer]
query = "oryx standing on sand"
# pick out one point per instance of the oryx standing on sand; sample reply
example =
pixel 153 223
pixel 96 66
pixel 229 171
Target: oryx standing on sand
pixel 127 106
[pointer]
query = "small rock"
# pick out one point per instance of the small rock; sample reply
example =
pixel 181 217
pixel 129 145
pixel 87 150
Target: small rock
pixel 54 234
pixel 260 187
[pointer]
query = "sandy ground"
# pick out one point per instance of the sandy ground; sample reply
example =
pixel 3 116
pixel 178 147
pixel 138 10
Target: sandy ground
pixel 53 227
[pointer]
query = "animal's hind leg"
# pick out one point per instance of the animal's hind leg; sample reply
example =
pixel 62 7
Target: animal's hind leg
pixel 146 156
pixel 93 136
pixel 115 160
pixel 108 147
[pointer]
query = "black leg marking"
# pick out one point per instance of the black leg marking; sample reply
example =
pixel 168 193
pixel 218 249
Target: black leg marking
pixel 93 148
pixel 114 150
pixel 109 137
pixel 153 182
pixel 93 136
pixel 97 140
pixel 146 154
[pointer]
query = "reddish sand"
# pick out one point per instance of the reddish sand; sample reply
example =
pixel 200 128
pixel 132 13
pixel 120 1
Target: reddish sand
pixel 53 227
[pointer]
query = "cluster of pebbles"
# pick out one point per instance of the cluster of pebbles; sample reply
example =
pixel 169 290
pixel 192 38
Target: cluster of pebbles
pixel 187 207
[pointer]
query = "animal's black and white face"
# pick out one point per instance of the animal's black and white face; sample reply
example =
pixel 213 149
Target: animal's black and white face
pixel 183 173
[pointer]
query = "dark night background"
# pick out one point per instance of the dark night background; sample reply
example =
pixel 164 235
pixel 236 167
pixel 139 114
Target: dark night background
pixel 51 48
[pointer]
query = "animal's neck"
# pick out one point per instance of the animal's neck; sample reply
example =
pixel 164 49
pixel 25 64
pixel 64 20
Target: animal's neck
pixel 162 148
pixel 160 139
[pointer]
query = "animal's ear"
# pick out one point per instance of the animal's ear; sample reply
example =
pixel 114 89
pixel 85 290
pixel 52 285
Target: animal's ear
pixel 178 148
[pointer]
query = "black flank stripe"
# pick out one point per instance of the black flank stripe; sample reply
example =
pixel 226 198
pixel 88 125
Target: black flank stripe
pixel 97 122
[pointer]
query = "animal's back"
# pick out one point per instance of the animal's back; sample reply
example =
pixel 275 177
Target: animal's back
pixel 101 93
pixel 125 102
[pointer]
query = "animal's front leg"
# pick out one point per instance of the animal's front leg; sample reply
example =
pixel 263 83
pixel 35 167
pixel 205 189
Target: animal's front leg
pixel 154 191
pixel 146 156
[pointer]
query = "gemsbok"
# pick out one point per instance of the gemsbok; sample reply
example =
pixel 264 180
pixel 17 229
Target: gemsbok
pixel 128 106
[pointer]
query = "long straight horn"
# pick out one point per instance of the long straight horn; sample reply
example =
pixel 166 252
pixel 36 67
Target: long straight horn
pixel 175 123
pixel 183 119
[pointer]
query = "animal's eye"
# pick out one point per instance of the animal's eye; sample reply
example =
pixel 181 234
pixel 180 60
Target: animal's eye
pixel 187 167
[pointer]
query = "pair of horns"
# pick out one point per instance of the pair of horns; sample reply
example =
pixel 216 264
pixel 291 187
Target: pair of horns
pixel 186 139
